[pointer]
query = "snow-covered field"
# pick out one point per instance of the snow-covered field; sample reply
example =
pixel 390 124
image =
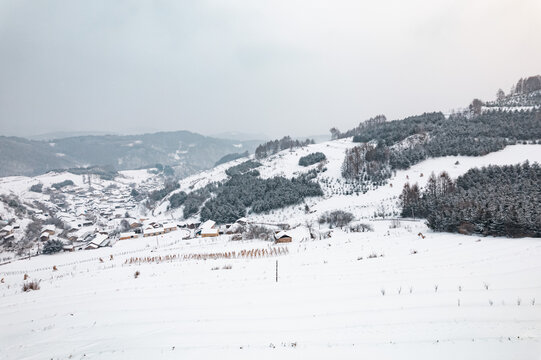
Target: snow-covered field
pixel 445 296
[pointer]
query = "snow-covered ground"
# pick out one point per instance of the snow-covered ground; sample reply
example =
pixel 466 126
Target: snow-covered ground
pixel 445 296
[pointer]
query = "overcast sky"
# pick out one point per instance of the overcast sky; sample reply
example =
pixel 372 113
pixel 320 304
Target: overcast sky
pixel 276 67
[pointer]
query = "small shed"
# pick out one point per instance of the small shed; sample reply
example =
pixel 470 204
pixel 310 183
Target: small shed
pixel 282 237
pixel 68 248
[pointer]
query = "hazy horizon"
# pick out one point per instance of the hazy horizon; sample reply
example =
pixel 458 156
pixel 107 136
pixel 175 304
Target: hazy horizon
pixel 287 67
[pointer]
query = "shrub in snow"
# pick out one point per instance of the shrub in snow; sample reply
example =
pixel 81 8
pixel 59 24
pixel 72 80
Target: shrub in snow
pixel 395 224
pixel 62 184
pixel 31 285
pixel 338 218
pixel 361 227
pixel 37 188
pixel 53 246
pixel 312 158
pixel 258 232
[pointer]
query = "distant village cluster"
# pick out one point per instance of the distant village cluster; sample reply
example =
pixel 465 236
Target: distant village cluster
pixel 98 214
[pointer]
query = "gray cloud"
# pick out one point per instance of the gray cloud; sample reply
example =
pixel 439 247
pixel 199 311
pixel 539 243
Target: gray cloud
pixel 278 67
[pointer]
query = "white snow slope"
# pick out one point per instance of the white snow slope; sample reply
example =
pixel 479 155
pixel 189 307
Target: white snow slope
pixel 385 294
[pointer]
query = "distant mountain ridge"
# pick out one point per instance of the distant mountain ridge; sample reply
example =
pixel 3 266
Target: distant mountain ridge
pixel 187 152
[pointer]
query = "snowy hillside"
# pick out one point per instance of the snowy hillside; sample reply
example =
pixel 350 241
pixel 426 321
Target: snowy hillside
pixel 336 189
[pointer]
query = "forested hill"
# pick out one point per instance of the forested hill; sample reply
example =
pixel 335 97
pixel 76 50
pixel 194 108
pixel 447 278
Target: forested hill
pixel 388 146
pixel 483 127
pixel 186 151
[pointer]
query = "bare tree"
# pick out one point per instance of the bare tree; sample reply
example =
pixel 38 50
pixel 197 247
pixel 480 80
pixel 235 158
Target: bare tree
pixel 476 107
pixel 500 95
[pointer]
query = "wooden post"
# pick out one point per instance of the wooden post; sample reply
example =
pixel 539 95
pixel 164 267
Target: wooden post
pixel 276 270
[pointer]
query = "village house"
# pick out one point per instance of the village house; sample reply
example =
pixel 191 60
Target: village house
pixel 282 237
pixel 242 221
pixel 68 248
pixel 49 229
pixel 127 235
pixel 152 231
pixel 208 229
pixel 7 230
pixel 9 237
pixel 167 227
pixel 207 232
pixel 44 236
pixel 100 240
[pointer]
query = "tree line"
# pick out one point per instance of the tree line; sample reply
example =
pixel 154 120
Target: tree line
pixel 494 200
pixel 272 147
